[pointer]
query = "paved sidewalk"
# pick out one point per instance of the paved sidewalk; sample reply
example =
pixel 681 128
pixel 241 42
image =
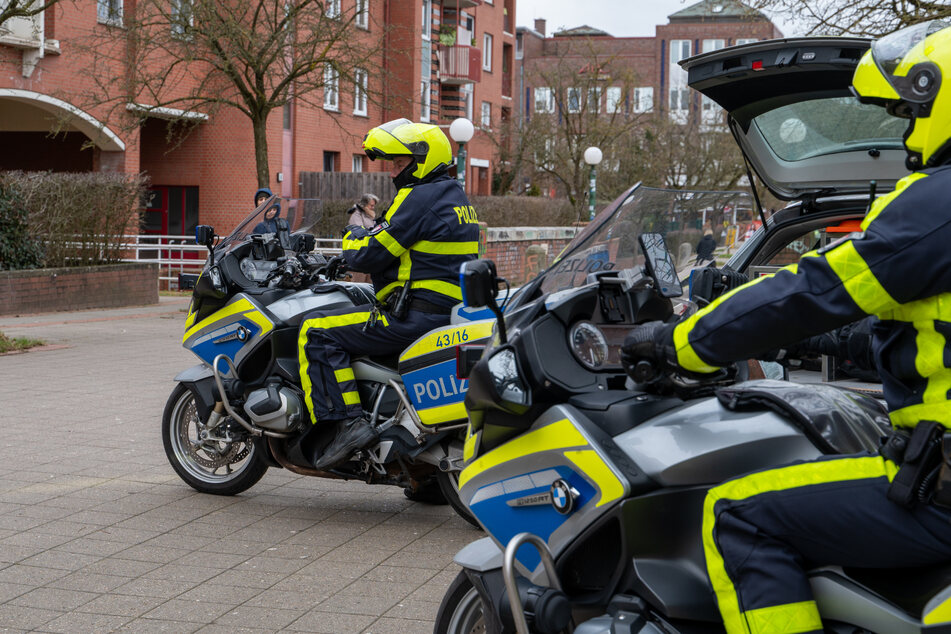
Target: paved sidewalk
pixel 97 533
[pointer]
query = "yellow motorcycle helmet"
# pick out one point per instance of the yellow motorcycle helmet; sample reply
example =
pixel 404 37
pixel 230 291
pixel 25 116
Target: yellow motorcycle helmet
pixel 903 71
pixel 427 144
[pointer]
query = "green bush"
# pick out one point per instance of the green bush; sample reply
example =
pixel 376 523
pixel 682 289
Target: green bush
pixel 80 218
pixel 19 248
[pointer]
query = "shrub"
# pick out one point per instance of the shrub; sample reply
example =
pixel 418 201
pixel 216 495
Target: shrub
pixel 80 218
pixel 19 247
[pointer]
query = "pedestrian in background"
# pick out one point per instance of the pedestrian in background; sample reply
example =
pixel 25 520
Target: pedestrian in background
pixel 363 213
pixel 706 246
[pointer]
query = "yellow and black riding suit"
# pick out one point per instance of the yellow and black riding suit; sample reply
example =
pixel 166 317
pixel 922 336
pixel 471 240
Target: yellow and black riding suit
pixel 427 233
pixel 761 530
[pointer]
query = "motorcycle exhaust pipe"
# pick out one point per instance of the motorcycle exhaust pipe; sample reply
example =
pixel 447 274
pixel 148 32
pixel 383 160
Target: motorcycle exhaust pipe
pixel 277 451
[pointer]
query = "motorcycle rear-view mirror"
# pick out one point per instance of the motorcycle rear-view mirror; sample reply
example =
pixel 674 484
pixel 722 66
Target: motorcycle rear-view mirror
pixel 660 265
pixel 303 242
pixel 283 233
pixel 480 287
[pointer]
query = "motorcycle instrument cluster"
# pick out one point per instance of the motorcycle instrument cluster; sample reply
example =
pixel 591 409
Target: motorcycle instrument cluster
pixel 588 345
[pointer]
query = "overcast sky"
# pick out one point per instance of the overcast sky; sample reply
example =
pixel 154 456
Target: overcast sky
pixel 621 18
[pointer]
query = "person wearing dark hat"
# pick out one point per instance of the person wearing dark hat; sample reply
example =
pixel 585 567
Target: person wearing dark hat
pixel 269 224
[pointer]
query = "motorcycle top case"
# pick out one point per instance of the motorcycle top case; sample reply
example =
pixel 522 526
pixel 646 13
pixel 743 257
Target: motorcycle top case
pixel 428 368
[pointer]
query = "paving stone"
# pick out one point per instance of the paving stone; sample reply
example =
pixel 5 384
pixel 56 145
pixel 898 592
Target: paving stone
pixel 84 622
pixel 328 623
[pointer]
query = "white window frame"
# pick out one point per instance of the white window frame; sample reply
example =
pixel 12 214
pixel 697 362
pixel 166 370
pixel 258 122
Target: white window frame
pixel 108 12
pixel 573 100
pixel 427 23
pixel 331 88
pixel 425 99
pixel 360 79
pixel 362 19
pixel 467 97
pixel 746 40
pixel 487 52
pixel 175 13
pixel 333 9
pixel 712 45
pixel 613 100
pixel 678 95
pixel 356 164
pixel 486 115
pixel 544 100
pixel 643 99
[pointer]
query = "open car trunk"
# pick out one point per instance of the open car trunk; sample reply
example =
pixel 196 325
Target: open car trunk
pixel 790 108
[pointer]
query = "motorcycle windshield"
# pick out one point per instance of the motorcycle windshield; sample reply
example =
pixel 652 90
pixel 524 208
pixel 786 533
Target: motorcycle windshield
pixel 301 215
pixel 683 217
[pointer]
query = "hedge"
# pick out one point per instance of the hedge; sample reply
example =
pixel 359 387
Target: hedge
pixel 79 218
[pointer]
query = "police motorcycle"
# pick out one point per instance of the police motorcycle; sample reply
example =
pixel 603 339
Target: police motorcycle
pixel 590 483
pixel 241 410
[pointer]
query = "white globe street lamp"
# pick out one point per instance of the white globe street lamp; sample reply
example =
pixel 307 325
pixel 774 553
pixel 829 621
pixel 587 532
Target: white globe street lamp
pixel 592 156
pixel 461 131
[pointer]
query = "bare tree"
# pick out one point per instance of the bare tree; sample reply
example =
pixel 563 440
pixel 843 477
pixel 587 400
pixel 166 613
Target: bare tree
pixel 198 56
pixel 581 97
pixel 870 18
pixel 22 9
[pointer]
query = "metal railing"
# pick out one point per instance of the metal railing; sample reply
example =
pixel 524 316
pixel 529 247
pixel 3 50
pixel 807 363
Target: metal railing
pixel 173 254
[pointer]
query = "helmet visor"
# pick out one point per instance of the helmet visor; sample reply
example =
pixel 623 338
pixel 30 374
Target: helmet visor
pixel 896 55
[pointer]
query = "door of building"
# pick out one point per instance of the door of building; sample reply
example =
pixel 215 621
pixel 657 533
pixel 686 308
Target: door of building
pixel 171 211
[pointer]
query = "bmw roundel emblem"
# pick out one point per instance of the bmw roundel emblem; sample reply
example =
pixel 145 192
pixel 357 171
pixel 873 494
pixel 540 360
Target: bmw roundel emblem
pixel 242 333
pixel 563 496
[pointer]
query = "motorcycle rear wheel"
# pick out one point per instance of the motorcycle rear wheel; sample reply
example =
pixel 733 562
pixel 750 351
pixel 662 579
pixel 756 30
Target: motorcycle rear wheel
pixel 461 610
pixel 198 462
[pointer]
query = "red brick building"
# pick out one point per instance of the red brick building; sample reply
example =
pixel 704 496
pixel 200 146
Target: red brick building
pixel 661 84
pixel 444 59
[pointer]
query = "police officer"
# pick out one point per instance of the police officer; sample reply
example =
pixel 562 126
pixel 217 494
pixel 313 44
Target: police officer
pixel 867 510
pixel 413 256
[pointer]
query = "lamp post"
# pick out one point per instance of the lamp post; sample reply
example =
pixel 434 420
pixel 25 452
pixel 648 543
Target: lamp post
pixel 461 131
pixel 592 156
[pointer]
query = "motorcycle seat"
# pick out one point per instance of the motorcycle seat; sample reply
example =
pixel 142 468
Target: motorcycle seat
pixel 908 588
pixel 389 361
pixel 617 411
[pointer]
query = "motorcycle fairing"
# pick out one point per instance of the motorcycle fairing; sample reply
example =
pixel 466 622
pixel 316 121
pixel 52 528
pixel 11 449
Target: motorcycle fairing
pixel 428 368
pixel 234 331
pixel 556 447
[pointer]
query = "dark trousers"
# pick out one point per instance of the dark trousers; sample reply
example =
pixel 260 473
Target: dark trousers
pixel 327 340
pixel 762 531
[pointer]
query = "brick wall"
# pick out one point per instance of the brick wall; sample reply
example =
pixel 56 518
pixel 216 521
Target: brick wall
pixel 521 253
pixel 51 290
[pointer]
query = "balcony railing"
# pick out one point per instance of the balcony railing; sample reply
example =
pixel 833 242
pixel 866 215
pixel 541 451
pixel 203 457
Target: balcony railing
pixel 461 4
pixel 459 64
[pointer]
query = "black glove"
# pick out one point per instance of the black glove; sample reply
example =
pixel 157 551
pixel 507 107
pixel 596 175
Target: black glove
pixel 648 351
pixel 336 266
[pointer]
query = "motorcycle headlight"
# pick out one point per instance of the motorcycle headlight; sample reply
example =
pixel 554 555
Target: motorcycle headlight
pixel 217 280
pixel 508 383
pixel 588 344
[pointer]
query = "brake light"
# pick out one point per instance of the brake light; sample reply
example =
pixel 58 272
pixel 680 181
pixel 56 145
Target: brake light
pixel 758 65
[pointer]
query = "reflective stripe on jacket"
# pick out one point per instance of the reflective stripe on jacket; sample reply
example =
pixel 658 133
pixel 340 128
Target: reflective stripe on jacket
pixel 427 233
pixel 898 268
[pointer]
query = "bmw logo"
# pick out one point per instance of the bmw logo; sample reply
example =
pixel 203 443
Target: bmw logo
pixel 242 333
pixel 563 496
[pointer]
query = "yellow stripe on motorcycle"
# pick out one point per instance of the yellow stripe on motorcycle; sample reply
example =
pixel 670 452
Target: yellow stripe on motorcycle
pixel 442 414
pixel 261 320
pixel 234 308
pixel 430 342
pixel 593 466
pixel 472 441
pixel 941 613
pixel 559 435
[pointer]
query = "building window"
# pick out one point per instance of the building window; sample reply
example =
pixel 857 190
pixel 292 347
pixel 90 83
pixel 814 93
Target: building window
pixel 613 100
pixel 486 52
pixel 287 115
pixel 713 45
pixel 518 46
pixel 360 91
pixel 333 9
pixel 573 100
pixel 110 11
pixel 644 99
pixel 594 100
pixel 182 17
pixel 363 14
pixel 679 94
pixel 425 94
pixel 486 114
pixel 544 100
pixel 331 95
pixel 331 161
pixel 357 165
pixel 745 40
pixel 465 91
pixel 427 18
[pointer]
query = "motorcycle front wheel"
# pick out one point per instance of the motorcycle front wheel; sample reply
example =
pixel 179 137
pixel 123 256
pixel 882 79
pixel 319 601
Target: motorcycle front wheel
pixel 461 610
pixel 207 464
pixel 449 486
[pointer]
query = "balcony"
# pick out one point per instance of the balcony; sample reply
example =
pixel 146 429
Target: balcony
pixel 459 64
pixel 460 4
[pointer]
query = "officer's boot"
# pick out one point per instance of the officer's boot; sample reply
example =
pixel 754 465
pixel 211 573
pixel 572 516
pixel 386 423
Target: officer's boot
pixel 351 435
